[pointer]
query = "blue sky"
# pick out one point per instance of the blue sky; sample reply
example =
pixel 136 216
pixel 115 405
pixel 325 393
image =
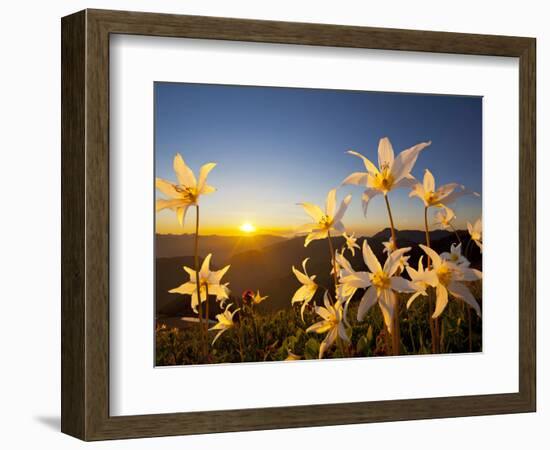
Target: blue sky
pixel 276 147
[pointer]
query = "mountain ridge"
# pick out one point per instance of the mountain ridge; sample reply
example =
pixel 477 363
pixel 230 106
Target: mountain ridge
pixel 269 269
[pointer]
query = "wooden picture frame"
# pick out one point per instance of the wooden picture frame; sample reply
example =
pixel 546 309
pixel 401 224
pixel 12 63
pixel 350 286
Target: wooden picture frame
pixel 85 224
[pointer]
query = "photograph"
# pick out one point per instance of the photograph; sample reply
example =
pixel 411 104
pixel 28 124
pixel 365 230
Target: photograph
pixel 298 224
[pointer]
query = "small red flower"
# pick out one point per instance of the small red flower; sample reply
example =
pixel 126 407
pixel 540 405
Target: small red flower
pixel 247 296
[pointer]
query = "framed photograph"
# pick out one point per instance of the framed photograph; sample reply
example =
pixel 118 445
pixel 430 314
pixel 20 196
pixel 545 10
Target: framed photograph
pixel 273 225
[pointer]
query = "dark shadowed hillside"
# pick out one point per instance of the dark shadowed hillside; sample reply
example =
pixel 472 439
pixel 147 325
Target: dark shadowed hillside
pixel 224 247
pixel 417 236
pixel 269 268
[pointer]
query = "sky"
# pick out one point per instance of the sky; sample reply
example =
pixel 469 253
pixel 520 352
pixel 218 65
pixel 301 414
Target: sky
pixel 277 147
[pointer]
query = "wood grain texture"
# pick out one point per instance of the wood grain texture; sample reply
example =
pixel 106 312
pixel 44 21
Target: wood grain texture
pixel 85 224
pixel 73 111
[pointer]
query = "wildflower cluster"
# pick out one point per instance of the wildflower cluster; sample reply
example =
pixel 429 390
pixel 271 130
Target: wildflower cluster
pixel 436 278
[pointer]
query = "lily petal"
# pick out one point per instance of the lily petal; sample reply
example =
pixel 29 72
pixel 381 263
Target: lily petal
pixel 183 172
pixel 432 254
pixel 386 303
pixel 399 284
pixel 429 182
pixel 330 204
pixel 180 212
pixel 462 292
pixel 313 210
pixel 328 341
pixel 385 153
pixel 371 168
pixel 204 171
pixel 342 209
pixel 367 302
pixel 169 204
pixel 315 235
pixel 442 298
pixel 166 188
pixel 406 160
pixel 368 194
pixel 370 258
pixel 357 178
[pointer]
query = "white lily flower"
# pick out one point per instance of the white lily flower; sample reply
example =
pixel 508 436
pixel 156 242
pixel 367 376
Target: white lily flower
pixel 390 247
pixel 421 279
pixel 349 281
pixel 324 222
pixel 383 284
pixel 450 278
pixel 187 191
pixel 257 299
pixel 225 322
pixel 444 217
pixel 332 324
pixel 209 281
pixel 444 195
pixel 476 233
pixel 306 292
pixel 391 173
pixel 351 243
pixel 455 256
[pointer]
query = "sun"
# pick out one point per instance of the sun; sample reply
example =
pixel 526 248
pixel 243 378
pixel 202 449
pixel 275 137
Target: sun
pixel 247 227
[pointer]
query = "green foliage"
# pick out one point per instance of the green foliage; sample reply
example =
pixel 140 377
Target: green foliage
pixel 271 336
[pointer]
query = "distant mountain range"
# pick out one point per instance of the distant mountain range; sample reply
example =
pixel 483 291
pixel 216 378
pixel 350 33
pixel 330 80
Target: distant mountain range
pixel 223 247
pixel 264 263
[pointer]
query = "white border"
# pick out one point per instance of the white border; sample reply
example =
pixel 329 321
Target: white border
pixel 136 387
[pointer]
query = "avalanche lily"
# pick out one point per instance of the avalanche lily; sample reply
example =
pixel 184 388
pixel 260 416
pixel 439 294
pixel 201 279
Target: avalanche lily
pixel 351 243
pixel 476 233
pixel 209 282
pixel 421 279
pixel 455 256
pixel 450 278
pixel 350 281
pixel 225 322
pixel 383 284
pixel 324 222
pixel 390 247
pixel 257 299
pixel 332 324
pixel 444 217
pixel 306 292
pixel 442 196
pixel 390 174
pixel 187 191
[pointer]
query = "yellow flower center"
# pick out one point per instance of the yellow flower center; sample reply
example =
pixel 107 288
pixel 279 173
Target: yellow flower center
pixel 188 194
pixel 380 280
pixel 444 274
pixel 325 222
pixel 454 257
pixel 431 198
pixel 383 180
pixel 203 283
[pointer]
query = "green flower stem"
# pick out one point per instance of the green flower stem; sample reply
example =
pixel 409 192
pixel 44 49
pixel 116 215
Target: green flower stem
pixel 197 277
pixel 241 344
pixel 333 258
pixel 433 326
pixel 207 347
pixel 392 227
pixel 395 335
pixel 456 234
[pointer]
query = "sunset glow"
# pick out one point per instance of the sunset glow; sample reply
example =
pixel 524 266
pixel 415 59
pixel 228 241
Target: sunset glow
pixel 247 227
